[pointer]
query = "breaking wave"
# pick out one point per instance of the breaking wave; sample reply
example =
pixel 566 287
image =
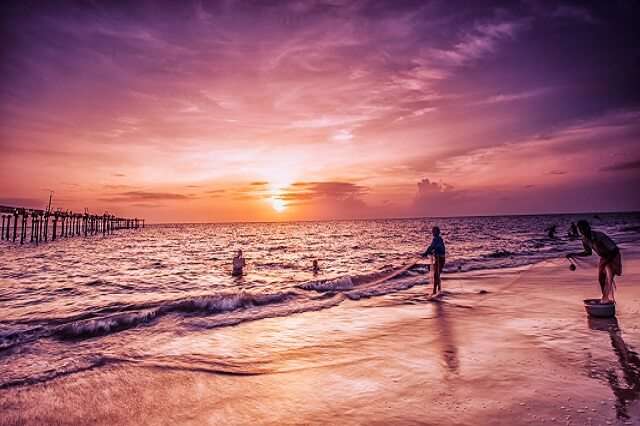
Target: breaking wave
pixel 245 305
pixel 92 324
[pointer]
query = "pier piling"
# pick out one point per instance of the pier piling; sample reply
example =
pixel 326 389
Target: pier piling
pixel 35 226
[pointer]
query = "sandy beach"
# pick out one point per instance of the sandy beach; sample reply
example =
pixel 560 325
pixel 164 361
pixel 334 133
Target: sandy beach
pixel 502 347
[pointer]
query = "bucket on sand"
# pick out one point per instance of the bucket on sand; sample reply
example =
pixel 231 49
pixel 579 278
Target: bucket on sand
pixel 597 309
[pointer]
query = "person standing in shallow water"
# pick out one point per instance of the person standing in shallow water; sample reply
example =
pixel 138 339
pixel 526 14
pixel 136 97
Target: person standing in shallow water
pixel 238 264
pixel 437 249
pixel 610 263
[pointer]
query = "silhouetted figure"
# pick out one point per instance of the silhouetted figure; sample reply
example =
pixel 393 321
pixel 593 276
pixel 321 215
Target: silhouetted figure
pixel 315 267
pixel 437 249
pixel 238 264
pixel 551 231
pixel 573 231
pixel 610 263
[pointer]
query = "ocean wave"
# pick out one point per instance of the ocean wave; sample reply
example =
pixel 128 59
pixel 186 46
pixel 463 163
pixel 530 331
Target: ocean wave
pixel 334 284
pixel 197 305
pixel 387 280
pixel 499 254
pixel 10 339
pixel 123 317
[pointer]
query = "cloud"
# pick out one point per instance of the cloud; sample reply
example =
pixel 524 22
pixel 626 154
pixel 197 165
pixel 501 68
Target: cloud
pixel 557 172
pixel 233 93
pixel 343 135
pixel 622 166
pixel 426 187
pixel 138 196
pixel 574 12
pixel 482 40
pixel 510 97
pixel 215 193
pixel 29 203
pixel 304 191
pixel 146 205
pixel 437 198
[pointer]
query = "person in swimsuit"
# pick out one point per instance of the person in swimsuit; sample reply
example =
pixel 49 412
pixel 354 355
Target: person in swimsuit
pixel 610 263
pixel 238 264
pixel 436 248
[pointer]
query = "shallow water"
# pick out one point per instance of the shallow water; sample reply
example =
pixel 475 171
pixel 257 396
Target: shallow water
pixel 85 303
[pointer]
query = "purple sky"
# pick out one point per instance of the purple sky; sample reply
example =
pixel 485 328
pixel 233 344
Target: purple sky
pixel 216 111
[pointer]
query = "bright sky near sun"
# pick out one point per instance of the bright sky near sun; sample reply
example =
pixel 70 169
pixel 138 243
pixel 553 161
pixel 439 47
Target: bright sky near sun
pixel 244 111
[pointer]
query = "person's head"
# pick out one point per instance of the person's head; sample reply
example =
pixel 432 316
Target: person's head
pixel 435 231
pixel 315 262
pixel 584 228
pixel 239 253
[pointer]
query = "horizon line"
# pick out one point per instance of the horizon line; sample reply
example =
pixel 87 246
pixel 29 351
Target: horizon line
pixel 396 218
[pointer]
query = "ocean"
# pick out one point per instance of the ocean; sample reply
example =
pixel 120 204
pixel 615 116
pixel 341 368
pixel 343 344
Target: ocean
pixel 83 303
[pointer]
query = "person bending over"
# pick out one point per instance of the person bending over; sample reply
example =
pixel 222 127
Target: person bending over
pixel 437 249
pixel 610 263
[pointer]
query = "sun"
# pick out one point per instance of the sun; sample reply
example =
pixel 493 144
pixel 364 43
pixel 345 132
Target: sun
pixel 278 205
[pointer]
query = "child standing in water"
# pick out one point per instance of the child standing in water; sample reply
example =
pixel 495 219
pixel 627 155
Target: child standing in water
pixel 238 264
pixel 438 250
pixel 610 263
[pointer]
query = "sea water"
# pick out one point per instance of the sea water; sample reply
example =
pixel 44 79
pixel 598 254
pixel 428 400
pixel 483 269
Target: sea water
pixel 83 303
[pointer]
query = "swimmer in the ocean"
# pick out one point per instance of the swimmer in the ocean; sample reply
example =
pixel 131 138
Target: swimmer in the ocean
pixel 315 267
pixel 238 264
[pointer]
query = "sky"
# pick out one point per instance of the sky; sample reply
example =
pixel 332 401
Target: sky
pixel 200 111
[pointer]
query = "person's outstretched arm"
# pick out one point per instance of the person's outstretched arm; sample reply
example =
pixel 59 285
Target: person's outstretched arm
pixel 586 253
pixel 429 249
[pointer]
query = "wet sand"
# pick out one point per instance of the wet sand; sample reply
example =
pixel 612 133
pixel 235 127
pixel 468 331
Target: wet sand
pixel 523 352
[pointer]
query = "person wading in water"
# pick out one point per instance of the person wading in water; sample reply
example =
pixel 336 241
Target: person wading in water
pixel 238 264
pixel 438 250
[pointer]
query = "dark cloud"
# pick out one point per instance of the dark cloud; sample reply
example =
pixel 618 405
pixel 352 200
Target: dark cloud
pixel 426 187
pixel 138 196
pixel 116 187
pixel 574 12
pixel 259 183
pixel 146 205
pixel 439 198
pixel 29 203
pixel 215 193
pixel 622 166
pixel 557 172
pixel 304 191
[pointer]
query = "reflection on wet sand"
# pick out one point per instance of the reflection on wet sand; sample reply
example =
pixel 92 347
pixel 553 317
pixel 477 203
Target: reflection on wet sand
pixel 446 339
pixel 626 390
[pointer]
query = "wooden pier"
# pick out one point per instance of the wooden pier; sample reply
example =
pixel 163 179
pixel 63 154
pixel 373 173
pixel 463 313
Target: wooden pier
pixel 22 225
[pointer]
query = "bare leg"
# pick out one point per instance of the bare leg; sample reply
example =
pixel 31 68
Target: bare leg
pixel 436 278
pixel 438 264
pixel 607 294
pixel 602 278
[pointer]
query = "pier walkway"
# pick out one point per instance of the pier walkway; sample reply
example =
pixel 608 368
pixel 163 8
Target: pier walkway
pixel 37 226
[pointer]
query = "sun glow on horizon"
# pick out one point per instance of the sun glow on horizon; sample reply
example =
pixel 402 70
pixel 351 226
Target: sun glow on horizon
pixel 278 204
